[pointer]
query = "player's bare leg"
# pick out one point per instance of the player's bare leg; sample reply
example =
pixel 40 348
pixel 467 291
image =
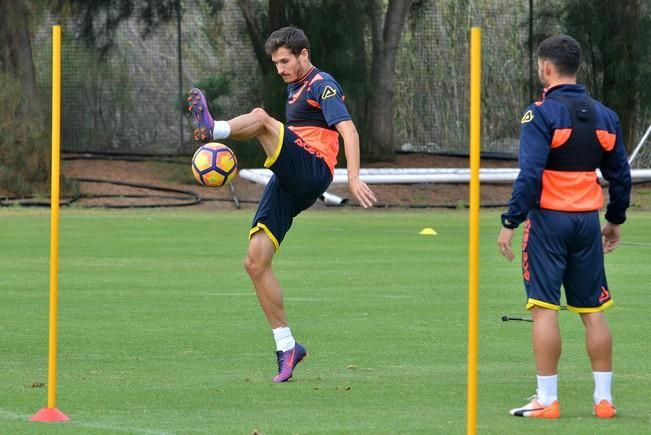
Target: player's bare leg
pixel 599 344
pixel 258 266
pixel 257 124
pixel 598 341
pixel 547 351
pixel 546 340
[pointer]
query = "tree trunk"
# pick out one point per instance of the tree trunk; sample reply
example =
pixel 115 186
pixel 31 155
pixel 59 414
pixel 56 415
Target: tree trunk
pixel 256 34
pixel 16 52
pixel 379 142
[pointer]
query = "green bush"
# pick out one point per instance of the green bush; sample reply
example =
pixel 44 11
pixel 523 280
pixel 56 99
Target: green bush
pixel 24 145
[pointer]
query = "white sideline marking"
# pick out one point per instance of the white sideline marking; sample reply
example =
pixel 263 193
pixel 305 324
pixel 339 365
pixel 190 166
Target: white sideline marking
pixel 635 243
pixel 10 415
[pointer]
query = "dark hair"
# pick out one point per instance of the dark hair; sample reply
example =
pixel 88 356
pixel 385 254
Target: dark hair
pixel 292 38
pixel 563 51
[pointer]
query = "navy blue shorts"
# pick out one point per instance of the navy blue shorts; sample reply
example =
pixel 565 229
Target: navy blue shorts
pixel 564 248
pixel 299 179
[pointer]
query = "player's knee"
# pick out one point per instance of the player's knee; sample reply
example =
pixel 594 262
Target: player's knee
pixel 260 113
pixel 254 265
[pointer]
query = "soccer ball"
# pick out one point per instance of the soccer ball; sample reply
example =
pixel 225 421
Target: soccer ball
pixel 214 165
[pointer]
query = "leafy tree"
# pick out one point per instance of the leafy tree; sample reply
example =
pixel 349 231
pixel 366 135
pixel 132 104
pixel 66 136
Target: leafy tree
pixel 616 42
pixel 24 129
pixel 339 45
pixel 386 35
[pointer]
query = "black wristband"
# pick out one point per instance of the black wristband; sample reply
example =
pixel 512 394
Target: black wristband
pixel 615 220
pixel 506 223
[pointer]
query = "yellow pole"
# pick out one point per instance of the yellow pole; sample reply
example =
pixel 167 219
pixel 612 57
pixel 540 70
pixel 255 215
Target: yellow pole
pixel 54 217
pixel 51 413
pixel 473 249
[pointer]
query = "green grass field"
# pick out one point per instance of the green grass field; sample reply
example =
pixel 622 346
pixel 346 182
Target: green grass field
pixel 160 330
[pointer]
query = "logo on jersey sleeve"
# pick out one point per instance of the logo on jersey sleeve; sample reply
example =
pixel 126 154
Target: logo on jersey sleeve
pixel 528 117
pixel 328 92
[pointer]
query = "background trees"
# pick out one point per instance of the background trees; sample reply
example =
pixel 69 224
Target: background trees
pixel 616 44
pixel 402 64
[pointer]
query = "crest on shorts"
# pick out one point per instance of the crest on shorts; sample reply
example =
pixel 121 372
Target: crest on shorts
pixel 328 92
pixel 527 117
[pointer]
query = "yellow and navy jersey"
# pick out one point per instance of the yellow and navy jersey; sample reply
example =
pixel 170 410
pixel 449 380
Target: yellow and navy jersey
pixel 315 105
pixel 564 138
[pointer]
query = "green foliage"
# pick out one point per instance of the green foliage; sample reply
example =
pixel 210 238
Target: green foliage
pixel 24 145
pixel 616 45
pixel 98 20
pixel 338 45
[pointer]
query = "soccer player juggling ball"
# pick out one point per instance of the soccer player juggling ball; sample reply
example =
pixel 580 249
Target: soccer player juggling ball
pixel 564 139
pixel 302 154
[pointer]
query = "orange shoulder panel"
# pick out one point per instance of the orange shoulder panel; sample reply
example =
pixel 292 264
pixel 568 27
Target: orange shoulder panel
pixel 561 135
pixel 606 139
pixel 316 78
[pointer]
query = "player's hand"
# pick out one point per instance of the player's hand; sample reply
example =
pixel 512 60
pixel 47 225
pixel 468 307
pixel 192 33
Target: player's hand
pixel 362 193
pixel 611 234
pixel 504 243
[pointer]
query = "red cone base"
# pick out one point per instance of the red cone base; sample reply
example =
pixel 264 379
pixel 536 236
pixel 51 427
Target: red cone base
pixel 49 414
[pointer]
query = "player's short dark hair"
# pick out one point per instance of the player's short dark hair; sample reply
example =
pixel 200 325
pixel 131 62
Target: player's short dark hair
pixel 291 38
pixel 563 51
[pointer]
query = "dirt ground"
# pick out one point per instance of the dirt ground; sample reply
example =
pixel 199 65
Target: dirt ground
pixel 178 176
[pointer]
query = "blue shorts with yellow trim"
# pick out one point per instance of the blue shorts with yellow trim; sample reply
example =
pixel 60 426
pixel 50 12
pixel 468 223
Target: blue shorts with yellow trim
pixel 564 248
pixel 300 178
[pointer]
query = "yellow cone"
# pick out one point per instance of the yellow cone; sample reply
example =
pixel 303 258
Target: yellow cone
pixel 428 232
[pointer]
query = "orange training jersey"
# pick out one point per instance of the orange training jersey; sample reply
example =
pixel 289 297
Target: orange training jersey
pixel 315 105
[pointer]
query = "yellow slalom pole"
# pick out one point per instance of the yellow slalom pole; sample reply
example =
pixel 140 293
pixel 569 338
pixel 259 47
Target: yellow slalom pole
pixel 51 413
pixel 473 248
pixel 54 217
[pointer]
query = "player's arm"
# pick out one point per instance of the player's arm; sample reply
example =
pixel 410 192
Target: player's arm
pixel 362 193
pixel 331 100
pixel 616 170
pixel 535 136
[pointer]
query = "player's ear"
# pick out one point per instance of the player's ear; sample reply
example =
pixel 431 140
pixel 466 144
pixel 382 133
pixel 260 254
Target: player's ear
pixel 549 67
pixel 305 53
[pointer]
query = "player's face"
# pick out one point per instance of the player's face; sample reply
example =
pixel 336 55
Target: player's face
pixel 289 66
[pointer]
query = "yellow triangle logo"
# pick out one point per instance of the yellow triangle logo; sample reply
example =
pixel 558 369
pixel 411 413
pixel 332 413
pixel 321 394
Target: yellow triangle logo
pixel 527 117
pixel 328 92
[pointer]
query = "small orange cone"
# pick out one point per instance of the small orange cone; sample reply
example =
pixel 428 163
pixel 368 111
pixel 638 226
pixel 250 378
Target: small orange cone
pixel 49 415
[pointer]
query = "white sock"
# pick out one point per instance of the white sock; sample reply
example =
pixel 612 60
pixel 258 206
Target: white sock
pixel 547 389
pixel 284 339
pixel 602 381
pixel 221 130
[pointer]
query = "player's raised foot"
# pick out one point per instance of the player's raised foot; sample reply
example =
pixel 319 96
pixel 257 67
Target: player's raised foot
pixel 287 362
pixel 536 410
pixel 199 108
pixel 604 409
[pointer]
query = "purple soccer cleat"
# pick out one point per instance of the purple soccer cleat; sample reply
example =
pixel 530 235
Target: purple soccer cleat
pixel 199 108
pixel 287 361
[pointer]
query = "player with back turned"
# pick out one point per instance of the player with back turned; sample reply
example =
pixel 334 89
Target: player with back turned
pixel 302 154
pixel 564 139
